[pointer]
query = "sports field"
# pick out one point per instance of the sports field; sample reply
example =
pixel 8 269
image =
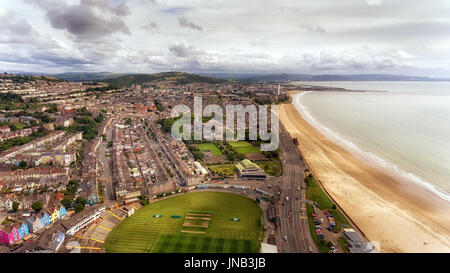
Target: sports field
pixel 209 147
pixel 243 147
pixel 205 226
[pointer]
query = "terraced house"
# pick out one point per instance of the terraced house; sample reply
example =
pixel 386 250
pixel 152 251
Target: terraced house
pixel 9 234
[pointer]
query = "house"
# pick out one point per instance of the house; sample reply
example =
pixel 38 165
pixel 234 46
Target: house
pixel 34 224
pixel 53 214
pixel 22 229
pixel 9 234
pixel 9 205
pixel 45 219
pixel 62 212
pixel 92 199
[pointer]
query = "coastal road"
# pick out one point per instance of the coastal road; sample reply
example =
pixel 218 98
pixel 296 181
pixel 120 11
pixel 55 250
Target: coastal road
pixel 290 203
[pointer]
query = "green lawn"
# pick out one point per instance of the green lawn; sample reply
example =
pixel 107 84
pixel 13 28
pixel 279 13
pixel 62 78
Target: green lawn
pixel 209 147
pixel 184 243
pixel 143 233
pixel 244 147
pixel 226 170
pixel 314 192
pixel 271 167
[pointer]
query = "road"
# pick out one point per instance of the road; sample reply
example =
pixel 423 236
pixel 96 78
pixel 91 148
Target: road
pixel 292 219
pixel 178 169
pixel 108 194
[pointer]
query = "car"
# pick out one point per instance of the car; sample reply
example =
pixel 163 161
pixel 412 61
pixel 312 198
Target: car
pixel 313 215
pixel 335 231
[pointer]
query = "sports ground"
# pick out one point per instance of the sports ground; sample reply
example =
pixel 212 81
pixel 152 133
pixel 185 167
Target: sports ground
pixel 200 222
pixel 243 147
pixel 209 147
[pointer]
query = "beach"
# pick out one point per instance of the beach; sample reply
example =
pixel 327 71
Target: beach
pixel 398 214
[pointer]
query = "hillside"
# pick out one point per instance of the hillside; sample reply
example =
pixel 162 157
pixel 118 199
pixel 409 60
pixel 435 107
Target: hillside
pixel 286 77
pixel 178 77
pixel 81 76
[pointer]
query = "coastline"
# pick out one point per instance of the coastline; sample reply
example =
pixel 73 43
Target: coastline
pixel 399 214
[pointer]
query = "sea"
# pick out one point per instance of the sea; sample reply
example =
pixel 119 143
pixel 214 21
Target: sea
pixel 401 126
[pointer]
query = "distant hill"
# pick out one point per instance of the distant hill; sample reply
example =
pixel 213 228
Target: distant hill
pixel 286 77
pixel 178 77
pixel 82 76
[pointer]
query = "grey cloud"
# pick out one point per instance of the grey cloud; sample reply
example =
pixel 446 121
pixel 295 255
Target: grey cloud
pixel 120 9
pixel 83 22
pixel 183 50
pixel 151 27
pixel 313 29
pixel 184 22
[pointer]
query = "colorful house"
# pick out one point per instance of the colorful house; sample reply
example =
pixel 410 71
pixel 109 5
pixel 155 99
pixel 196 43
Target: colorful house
pixel 9 234
pixel 62 212
pixel 53 214
pixel 45 219
pixel 22 228
pixel 34 224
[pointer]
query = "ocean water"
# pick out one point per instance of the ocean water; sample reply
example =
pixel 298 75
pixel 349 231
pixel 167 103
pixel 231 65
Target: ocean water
pixel 405 129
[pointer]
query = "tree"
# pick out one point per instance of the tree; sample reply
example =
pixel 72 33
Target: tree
pixel 81 199
pixel 66 202
pixel 79 207
pixel 37 206
pixel 23 164
pixel 15 206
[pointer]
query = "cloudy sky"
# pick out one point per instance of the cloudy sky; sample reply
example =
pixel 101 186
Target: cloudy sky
pixel 315 37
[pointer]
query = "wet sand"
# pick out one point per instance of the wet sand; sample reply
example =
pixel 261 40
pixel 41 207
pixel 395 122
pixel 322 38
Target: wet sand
pixel 401 215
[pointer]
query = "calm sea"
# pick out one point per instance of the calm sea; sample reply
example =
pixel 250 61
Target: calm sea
pixel 406 129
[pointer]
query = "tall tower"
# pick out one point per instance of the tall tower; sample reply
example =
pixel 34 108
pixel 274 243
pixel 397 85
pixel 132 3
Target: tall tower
pixel 279 89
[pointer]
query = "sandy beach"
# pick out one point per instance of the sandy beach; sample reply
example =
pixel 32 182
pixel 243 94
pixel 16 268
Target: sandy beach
pixel 400 215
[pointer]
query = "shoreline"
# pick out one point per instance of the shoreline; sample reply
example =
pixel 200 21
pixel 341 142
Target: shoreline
pixel 401 215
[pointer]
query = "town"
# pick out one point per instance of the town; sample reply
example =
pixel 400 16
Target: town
pixel 79 157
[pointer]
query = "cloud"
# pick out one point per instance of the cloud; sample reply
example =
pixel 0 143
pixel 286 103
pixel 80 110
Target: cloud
pixel 151 27
pixel 313 29
pixel 184 22
pixel 88 20
pixel 325 36
pixel 373 2
pixel 183 50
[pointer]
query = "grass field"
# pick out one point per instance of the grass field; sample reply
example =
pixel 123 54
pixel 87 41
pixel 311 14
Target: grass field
pixel 226 170
pixel 143 233
pixel 244 147
pixel 209 147
pixel 314 192
pixel 271 167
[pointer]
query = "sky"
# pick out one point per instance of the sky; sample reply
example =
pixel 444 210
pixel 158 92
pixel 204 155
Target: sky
pixel 235 36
